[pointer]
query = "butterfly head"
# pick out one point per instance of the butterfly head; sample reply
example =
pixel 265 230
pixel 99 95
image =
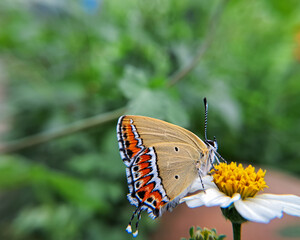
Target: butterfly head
pixel 212 143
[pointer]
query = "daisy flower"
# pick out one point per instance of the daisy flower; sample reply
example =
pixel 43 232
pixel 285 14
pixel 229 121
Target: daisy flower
pixel 235 189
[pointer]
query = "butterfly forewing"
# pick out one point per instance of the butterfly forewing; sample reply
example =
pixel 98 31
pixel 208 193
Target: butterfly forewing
pixel 155 131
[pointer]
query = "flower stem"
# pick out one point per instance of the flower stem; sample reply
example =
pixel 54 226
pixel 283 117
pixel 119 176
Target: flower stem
pixel 236 227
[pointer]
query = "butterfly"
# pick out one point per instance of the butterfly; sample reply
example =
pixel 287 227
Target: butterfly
pixel 162 162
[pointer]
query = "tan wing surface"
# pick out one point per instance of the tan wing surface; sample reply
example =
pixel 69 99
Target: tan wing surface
pixel 177 168
pixel 177 150
pixel 154 130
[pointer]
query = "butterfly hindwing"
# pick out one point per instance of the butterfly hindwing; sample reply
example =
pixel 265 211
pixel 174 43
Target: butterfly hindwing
pixel 145 187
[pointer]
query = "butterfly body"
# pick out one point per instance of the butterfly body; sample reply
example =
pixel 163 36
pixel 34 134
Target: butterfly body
pixel 163 160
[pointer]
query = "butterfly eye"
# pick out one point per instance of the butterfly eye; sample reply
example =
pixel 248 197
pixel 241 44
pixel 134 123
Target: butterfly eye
pixel 176 176
pixel 176 149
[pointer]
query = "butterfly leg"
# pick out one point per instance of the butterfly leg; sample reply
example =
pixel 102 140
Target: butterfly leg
pixel 212 165
pixel 200 174
pixel 219 156
pixel 214 155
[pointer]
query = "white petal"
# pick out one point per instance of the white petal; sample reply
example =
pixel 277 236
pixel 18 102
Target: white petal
pixel 265 207
pixel 211 197
pixel 290 204
pixel 231 200
pixel 193 201
pixel 214 197
pixel 207 181
pixel 258 210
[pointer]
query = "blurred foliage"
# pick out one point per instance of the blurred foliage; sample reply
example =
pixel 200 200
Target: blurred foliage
pixel 291 231
pixel 63 61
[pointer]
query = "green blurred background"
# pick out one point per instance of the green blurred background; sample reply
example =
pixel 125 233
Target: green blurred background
pixel 65 61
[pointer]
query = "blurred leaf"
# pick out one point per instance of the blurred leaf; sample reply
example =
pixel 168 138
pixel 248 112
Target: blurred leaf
pixel 88 194
pixel 133 82
pixel 159 104
pixel 60 221
pixel 290 231
pixel 13 172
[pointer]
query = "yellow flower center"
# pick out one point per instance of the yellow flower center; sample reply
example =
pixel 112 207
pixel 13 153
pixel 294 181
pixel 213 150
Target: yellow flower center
pixel 231 179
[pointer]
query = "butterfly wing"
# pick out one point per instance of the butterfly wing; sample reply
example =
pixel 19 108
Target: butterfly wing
pixel 161 160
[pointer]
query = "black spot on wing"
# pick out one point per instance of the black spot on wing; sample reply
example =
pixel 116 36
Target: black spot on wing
pixel 129 153
pixel 141 194
pixel 156 212
pixel 135 168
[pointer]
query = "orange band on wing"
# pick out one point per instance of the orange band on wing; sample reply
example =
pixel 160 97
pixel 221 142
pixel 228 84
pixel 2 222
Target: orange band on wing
pixel 144 191
pixel 145 157
pixel 150 197
pixel 143 181
pixel 131 140
pixel 144 171
pixel 158 198
pixel 144 165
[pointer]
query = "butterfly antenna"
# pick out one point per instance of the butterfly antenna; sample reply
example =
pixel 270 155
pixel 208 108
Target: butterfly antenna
pixel 205 118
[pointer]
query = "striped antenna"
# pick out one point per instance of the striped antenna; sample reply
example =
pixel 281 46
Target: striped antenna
pixel 205 119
